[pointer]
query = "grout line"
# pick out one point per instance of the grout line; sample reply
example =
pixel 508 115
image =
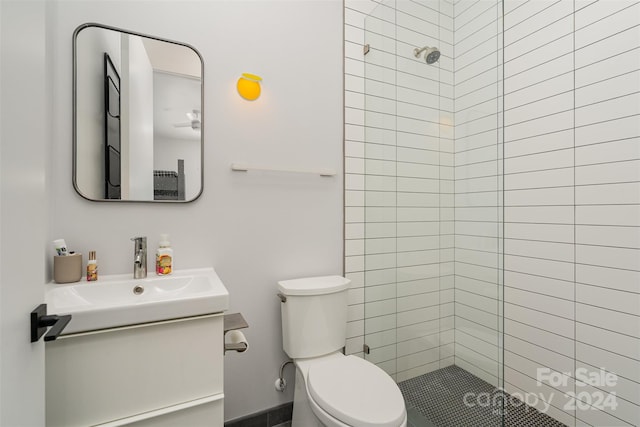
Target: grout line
pixel 531 15
pixel 537 30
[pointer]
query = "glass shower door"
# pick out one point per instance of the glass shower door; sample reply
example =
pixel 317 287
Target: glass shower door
pixel 433 210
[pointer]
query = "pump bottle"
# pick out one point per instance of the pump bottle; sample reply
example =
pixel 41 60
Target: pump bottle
pixel 164 256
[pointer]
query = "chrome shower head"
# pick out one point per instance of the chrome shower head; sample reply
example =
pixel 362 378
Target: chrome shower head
pixel 431 54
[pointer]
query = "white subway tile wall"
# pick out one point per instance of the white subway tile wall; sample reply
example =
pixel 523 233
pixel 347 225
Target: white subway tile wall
pixel 478 184
pixel 572 197
pixel 433 164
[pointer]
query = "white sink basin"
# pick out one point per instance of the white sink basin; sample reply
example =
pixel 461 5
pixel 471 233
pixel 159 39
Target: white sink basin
pixel 112 302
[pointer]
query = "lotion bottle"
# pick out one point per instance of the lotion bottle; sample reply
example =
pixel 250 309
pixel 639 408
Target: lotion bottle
pixel 164 256
pixel 92 267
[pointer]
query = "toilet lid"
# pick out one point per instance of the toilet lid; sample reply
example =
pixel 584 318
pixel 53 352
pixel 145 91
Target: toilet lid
pixel 356 392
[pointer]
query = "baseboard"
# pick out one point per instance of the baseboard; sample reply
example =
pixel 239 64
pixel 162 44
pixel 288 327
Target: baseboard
pixel 267 418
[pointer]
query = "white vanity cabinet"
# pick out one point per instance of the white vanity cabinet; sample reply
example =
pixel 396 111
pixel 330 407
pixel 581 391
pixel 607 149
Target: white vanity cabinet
pixel 167 373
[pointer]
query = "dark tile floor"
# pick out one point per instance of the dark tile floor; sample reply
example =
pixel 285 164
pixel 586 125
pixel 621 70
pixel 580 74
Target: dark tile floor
pixel 436 399
pixel 279 416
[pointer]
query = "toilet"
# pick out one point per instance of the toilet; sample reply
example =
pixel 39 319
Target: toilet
pixel 332 390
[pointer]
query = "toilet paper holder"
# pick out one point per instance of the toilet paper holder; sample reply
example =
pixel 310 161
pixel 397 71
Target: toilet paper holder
pixel 232 323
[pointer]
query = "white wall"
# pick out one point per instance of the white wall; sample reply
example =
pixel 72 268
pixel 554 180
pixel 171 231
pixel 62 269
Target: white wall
pixel 2 37
pixel 253 228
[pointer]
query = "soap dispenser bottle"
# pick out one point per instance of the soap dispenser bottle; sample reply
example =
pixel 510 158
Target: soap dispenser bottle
pixel 92 267
pixel 164 256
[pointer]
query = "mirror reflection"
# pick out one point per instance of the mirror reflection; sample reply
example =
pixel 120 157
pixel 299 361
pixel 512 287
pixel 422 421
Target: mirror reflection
pixel 137 117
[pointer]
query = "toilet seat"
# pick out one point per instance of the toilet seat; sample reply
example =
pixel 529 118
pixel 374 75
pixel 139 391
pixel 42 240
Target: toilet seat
pixel 356 392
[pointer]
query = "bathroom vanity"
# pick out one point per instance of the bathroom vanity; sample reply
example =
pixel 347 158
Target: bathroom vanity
pixel 150 358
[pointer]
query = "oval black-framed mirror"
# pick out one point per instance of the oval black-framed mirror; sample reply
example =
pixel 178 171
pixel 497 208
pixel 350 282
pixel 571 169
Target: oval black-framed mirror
pixel 138 103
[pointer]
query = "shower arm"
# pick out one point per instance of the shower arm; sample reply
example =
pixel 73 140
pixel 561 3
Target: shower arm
pixel 417 51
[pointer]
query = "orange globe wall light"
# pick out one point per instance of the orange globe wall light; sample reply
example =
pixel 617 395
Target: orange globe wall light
pixel 249 86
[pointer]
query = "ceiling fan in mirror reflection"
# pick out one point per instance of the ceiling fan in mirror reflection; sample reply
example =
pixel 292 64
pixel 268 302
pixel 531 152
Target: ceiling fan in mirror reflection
pixel 194 121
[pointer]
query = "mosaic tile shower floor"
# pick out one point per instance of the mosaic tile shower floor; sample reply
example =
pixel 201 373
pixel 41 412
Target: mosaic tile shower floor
pixel 436 399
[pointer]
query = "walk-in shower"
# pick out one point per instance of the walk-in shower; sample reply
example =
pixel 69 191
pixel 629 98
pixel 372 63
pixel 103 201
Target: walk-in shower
pixel 432 212
pixel 491 207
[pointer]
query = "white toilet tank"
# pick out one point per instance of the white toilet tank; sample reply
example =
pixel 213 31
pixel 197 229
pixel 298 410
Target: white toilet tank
pixel 314 316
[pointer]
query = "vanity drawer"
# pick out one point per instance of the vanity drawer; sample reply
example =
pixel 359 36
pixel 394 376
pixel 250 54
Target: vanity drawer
pixel 210 413
pixel 98 377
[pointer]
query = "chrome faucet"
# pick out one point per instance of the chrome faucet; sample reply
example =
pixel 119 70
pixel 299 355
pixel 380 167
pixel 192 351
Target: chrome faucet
pixel 139 257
